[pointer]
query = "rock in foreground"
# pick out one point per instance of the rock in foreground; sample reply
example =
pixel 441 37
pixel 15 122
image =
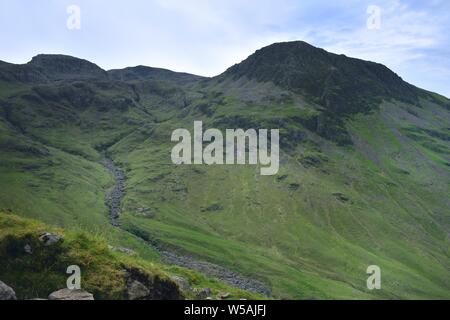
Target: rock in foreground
pixel 49 239
pixel 67 294
pixel 6 292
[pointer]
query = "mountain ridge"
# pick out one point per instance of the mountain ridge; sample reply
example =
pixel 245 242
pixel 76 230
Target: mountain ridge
pixel 327 77
pixel 59 67
pixel 304 53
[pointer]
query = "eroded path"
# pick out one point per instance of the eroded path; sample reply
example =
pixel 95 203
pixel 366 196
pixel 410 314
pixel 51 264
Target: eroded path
pixel 113 200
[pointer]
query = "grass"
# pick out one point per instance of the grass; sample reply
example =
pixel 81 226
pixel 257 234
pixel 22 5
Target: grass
pixel 43 271
pixel 284 237
pixel 308 233
pixel 38 274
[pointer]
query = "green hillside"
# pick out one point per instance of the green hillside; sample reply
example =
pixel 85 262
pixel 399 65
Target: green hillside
pixel 105 270
pixel 364 168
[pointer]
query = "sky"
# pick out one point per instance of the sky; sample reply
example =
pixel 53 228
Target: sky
pixel 205 37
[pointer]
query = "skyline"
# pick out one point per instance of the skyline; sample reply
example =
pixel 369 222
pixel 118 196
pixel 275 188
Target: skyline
pixel 206 38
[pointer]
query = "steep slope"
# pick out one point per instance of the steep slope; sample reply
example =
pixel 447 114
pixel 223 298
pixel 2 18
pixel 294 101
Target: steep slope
pixel 338 83
pixel 143 73
pixel 363 180
pixel 341 86
pixel 61 67
pixel 331 212
pixel 43 68
pixel 36 268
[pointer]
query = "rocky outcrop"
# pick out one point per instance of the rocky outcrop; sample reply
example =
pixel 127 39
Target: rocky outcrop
pixel 6 292
pixel 67 294
pixel 63 67
pixel 202 293
pixel 49 239
pixel 137 291
pixel 141 286
pixel 182 283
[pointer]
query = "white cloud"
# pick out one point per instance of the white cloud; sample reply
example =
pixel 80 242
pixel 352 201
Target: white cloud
pixel 405 43
pixel 403 34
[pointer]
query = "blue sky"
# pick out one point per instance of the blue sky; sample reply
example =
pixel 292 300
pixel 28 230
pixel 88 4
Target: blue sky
pixel 207 36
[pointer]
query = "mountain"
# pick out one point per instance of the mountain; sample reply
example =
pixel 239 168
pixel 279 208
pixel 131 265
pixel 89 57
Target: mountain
pixel 143 73
pixel 364 170
pixel 19 73
pixel 340 84
pixel 45 68
pixel 61 67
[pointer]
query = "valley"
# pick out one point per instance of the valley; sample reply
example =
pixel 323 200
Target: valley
pixel 113 201
pixel 363 175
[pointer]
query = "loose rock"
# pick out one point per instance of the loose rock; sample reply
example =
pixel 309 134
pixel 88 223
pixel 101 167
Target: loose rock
pixel 49 239
pixel 126 251
pixel 182 283
pixel 6 292
pixel 202 294
pixel 136 290
pixel 223 295
pixel 67 294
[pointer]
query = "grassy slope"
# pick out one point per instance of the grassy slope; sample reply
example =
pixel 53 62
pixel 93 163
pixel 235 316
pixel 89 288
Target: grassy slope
pixel 291 231
pixel 305 242
pixel 52 173
pixel 44 271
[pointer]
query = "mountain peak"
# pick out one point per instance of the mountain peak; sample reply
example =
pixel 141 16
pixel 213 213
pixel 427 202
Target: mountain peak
pixel 63 67
pixel 337 82
pixel 149 73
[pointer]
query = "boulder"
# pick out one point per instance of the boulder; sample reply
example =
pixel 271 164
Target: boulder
pixel 223 295
pixel 126 251
pixel 202 294
pixel 123 250
pixel 49 239
pixel 140 285
pixel 67 294
pixel 6 292
pixel 341 197
pixel 137 291
pixel 182 283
